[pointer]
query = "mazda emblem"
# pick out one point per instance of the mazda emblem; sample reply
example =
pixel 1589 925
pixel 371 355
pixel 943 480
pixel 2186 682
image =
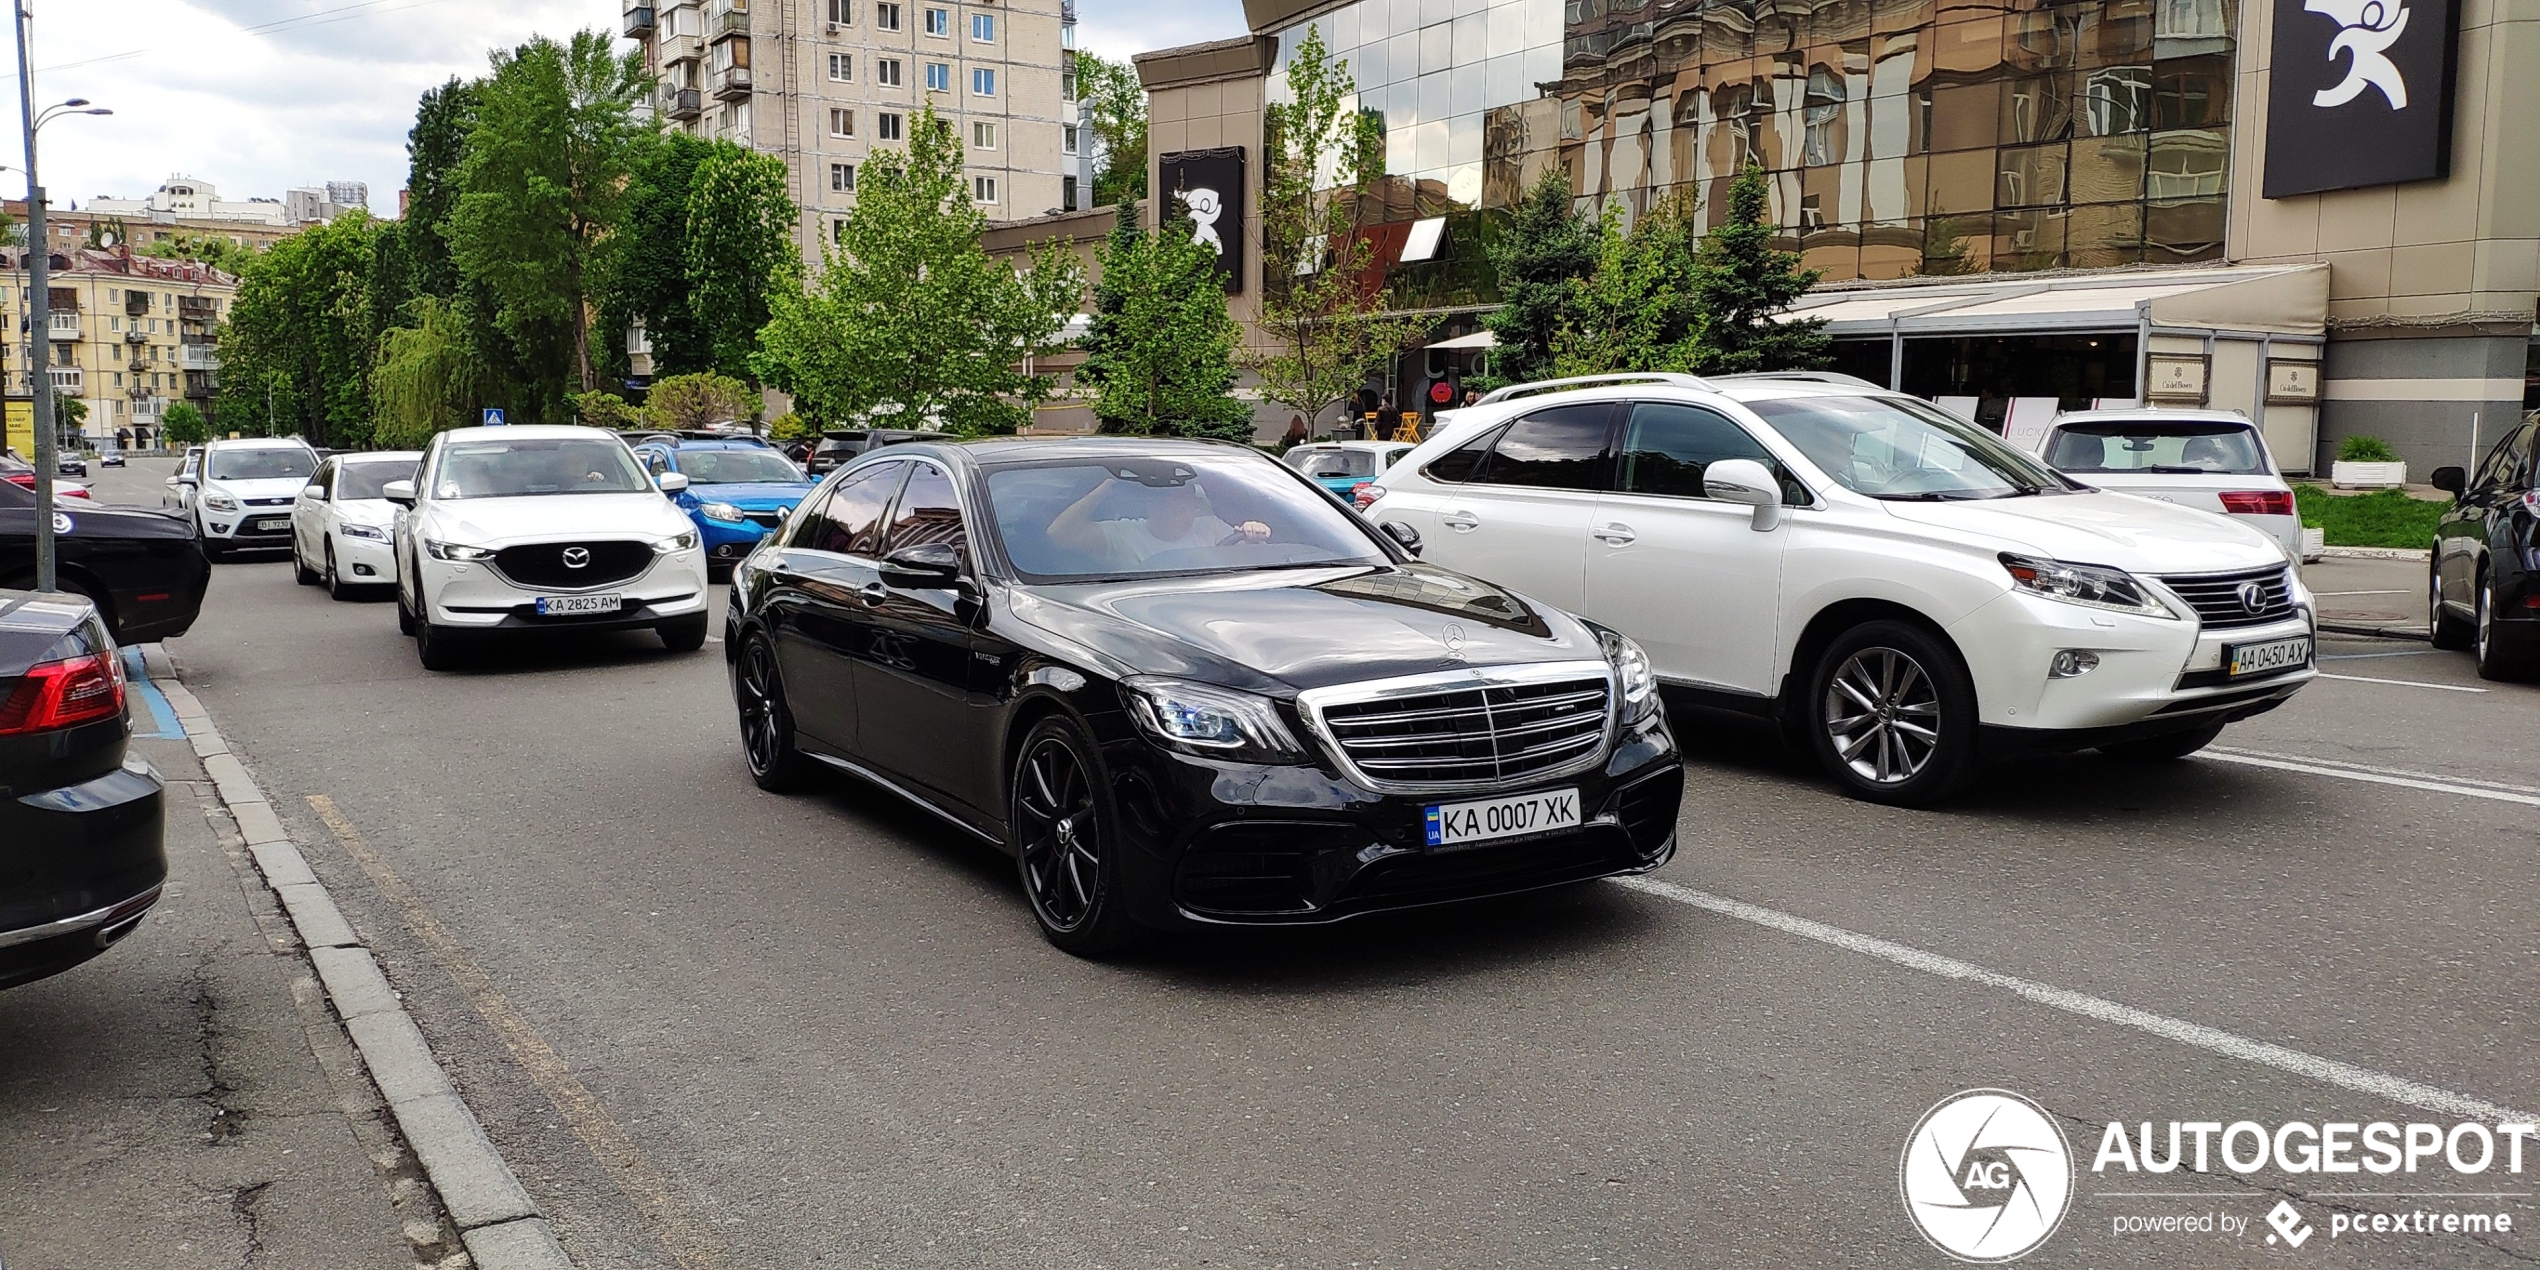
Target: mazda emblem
pixel 576 557
pixel 2253 598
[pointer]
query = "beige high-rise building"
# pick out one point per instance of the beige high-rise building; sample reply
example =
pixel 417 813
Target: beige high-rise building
pixel 824 83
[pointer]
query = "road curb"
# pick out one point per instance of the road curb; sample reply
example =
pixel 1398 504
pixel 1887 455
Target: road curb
pixel 2376 553
pixel 2375 632
pixel 497 1221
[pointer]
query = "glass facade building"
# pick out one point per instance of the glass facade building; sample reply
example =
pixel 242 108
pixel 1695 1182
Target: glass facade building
pixel 1904 137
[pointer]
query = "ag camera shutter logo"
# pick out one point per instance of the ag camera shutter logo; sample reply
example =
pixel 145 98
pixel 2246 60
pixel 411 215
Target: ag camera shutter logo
pixel 1987 1176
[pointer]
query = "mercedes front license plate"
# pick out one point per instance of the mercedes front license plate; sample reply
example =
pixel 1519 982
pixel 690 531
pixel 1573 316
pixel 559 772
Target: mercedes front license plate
pixel 1454 824
pixel 2274 655
pixel 578 605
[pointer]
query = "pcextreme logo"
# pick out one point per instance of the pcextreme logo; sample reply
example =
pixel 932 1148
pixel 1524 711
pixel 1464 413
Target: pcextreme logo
pixel 1986 1176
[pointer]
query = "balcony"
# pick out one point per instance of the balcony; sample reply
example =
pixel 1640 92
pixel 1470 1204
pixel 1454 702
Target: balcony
pixel 639 21
pixel 200 386
pixel 63 326
pixel 135 336
pixel 136 304
pixel 199 357
pixel 67 379
pixel 682 103
pixel 731 82
pixel 724 21
pixel 680 48
pixel 197 308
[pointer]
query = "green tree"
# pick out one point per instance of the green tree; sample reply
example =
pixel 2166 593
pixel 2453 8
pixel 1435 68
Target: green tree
pixel 1744 285
pixel 216 250
pixel 1119 125
pixel 296 351
pixel 1324 305
pixel 604 409
pixel 184 425
pixel 540 181
pixel 1636 309
pixel 647 261
pixel 739 247
pixel 911 320
pixel 700 400
pixel 1160 354
pixel 434 146
pixel 428 377
pixel 70 414
pixel 1549 246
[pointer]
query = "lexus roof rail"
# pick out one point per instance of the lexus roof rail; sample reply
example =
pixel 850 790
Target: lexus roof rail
pixel 1586 381
pixel 1811 376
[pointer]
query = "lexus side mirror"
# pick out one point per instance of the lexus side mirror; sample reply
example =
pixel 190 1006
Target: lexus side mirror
pixel 401 493
pixel 1745 481
pixel 671 482
pixel 2450 480
pixel 1404 536
pixel 922 565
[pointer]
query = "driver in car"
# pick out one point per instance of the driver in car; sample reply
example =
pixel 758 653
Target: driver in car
pixel 1158 519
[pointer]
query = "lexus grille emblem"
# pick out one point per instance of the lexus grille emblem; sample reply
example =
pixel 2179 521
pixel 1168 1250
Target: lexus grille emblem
pixel 576 557
pixel 2253 598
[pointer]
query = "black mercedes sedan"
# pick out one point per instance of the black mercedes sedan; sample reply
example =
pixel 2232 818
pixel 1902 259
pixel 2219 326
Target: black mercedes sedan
pixel 1182 685
pixel 143 568
pixel 81 857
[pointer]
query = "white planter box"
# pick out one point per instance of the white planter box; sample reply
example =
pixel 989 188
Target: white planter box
pixel 2345 475
pixel 2314 544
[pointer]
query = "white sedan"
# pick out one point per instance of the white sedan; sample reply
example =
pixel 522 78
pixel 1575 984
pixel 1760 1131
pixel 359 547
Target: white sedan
pixel 341 521
pixel 2211 460
pixel 517 529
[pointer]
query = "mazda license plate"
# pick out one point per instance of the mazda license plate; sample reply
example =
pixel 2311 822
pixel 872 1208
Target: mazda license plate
pixel 578 605
pixel 2274 655
pixel 1454 824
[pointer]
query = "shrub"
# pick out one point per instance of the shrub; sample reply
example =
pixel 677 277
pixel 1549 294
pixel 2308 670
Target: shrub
pixel 790 426
pixel 606 410
pixel 2363 449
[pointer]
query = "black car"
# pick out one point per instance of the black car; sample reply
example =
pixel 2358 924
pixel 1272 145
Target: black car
pixel 2481 593
pixel 143 568
pixel 841 446
pixel 81 818
pixel 1183 686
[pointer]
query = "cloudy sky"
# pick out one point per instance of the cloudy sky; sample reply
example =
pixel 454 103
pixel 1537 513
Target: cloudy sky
pixel 256 96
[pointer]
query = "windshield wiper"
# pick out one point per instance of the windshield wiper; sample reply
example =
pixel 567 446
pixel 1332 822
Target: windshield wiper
pixel 2169 470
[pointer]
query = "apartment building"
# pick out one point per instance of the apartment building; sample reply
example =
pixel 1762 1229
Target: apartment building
pixel 823 83
pixel 128 335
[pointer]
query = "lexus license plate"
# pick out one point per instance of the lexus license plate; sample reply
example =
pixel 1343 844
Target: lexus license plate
pixel 578 605
pixel 1454 824
pixel 2274 655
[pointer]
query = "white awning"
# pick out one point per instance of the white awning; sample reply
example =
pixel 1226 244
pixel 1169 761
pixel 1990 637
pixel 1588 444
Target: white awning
pixel 2290 300
pixel 1478 339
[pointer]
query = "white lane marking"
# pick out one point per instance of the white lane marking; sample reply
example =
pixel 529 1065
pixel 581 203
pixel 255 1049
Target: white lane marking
pixel 2412 652
pixel 2402 591
pixel 2346 768
pixel 2325 1070
pixel 2404 683
pixel 2378 778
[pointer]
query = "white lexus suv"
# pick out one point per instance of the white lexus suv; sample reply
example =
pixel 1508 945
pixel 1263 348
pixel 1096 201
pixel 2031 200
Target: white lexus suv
pixel 1906 593
pixel 541 528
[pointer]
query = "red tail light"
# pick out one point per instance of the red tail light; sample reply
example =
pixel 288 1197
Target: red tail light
pixel 2258 502
pixel 26 479
pixel 70 492
pixel 61 694
pixel 1364 494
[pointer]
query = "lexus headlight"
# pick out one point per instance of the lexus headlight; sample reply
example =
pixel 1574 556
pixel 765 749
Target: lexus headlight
pixel 220 502
pixel 456 552
pixel 675 542
pixel 2095 585
pixel 721 511
pixel 1210 721
pixel 1632 674
pixel 373 532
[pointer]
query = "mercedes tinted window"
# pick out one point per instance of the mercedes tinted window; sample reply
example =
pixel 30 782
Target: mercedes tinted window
pixel 1564 447
pixel 849 520
pixel 928 512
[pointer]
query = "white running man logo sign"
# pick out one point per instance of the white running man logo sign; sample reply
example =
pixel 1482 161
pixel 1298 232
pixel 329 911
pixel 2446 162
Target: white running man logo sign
pixel 1205 208
pixel 2370 28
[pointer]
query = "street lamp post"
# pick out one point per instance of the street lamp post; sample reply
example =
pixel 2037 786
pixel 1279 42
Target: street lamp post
pixel 39 299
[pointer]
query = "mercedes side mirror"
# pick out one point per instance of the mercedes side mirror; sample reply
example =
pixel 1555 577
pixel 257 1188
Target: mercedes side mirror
pixel 1404 536
pixel 2450 480
pixel 671 482
pixel 924 565
pixel 402 493
pixel 1746 481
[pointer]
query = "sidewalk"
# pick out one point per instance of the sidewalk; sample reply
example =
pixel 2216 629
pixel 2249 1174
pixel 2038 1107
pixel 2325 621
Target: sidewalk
pixel 187 1099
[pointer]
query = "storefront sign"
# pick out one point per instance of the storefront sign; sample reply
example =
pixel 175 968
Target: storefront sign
pixel 2361 94
pixel 2177 377
pixel 21 426
pixel 1207 188
pixel 2292 383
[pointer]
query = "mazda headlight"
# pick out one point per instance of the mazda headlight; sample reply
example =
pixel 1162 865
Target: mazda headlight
pixel 220 502
pixel 372 532
pixel 2095 585
pixel 456 552
pixel 721 511
pixel 1633 675
pixel 1213 722
pixel 675 542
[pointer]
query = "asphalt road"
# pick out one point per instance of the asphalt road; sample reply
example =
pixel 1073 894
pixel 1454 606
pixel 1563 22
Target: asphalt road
pixel 729 1029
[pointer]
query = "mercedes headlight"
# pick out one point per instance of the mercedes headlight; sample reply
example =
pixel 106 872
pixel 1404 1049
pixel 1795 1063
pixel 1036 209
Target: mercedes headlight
pixel 220 502
pixel 372 532
pixel 2095 585
pixel 675 542
pixel 1632 674
pixel 721 511
pixel 456 552
pixel 1213 722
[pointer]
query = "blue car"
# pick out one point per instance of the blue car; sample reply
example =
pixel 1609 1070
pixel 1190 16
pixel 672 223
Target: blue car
pixel 739 489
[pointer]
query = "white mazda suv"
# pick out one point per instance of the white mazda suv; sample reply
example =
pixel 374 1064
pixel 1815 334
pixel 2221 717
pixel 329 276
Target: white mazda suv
pixel 1902 590
pixel 512 529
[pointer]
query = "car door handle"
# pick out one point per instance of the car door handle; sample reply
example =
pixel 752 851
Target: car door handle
pixel 873 593
pixel 1615 535
pixel 1461 522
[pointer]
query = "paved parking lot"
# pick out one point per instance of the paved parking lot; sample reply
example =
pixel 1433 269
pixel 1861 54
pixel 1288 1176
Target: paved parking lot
pixel 822 1030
